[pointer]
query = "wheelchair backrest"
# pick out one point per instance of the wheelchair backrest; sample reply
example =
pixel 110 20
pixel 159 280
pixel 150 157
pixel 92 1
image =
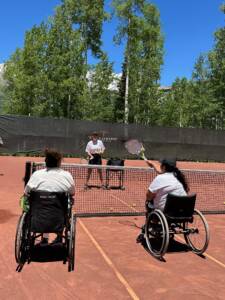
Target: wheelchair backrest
pixel 179 206
pixel 48 211
pixel 115 162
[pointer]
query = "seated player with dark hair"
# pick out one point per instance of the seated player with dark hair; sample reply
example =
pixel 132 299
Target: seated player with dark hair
pixel 170 180
pixel 51 179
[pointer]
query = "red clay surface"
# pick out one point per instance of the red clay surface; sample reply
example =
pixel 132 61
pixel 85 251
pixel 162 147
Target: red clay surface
pixel 109 263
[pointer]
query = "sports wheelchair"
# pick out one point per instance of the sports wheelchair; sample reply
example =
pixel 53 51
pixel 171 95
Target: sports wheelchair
pixel 179 217
pixel 48 212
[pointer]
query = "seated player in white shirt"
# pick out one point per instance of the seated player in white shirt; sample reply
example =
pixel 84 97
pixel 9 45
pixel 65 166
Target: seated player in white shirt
pixel 169 180
pixel 51 179
pixel 95 148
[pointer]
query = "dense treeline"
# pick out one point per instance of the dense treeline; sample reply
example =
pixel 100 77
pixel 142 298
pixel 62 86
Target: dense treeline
pixel 51 74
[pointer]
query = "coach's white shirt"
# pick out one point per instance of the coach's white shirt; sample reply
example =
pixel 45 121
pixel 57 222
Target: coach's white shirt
pixel 164 184
pixel 95 148
pixel 51 180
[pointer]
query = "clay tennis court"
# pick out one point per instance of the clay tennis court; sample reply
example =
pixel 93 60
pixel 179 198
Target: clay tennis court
pixel 109 263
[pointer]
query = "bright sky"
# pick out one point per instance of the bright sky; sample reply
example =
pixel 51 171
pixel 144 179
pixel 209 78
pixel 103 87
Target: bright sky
pixel 188 28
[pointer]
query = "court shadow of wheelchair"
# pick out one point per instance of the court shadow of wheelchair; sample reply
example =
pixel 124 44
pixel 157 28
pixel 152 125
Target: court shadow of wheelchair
pixel 48 253
pixel 173 247
pixel 6 215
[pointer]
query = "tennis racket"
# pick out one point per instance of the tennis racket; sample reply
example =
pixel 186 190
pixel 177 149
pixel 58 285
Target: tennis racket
pixel 135 147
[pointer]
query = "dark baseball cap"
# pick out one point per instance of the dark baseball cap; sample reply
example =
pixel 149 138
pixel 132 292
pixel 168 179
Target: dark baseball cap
pixel 172 162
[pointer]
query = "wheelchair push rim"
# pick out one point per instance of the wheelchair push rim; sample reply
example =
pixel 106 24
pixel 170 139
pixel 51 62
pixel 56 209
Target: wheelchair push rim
pixel 71 244
pixel 197 235
pixel 157 233
pixel 21 239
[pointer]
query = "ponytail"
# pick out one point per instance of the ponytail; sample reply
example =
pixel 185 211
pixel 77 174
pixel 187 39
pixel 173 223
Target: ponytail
pixel 180 176
pixel 170 166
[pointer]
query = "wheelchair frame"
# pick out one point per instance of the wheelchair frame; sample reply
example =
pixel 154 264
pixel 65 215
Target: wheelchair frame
pixel 25 238
pixel 160 227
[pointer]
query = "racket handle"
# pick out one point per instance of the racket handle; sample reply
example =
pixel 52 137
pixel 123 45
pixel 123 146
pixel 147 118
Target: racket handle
pixel 144 157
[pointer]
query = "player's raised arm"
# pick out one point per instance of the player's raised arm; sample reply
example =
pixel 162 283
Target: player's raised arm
pixel 154 165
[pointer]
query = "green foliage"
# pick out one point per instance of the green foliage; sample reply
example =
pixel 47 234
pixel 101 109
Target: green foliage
pixel 191 103
pixel 140 28
pixel 217 66
pixel 199 102
pixel 118 110
pixel 100 104
pixel 87 17
pixel 1 96
pixel 50 75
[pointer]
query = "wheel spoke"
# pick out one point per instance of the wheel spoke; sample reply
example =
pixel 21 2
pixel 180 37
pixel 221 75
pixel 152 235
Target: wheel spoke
pixel 157 233
pixel 198 233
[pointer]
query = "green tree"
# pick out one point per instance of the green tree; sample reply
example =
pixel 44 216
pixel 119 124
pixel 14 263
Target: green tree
pixel 47 77
pixel 199 102
pixel 64 67
pixel 175 107
pixel 204 105
pixel 118 110
pixel 87 17
pixel 217 72
pixel 1 97
pixel 140 28
pixel 15 101
pixel 100 106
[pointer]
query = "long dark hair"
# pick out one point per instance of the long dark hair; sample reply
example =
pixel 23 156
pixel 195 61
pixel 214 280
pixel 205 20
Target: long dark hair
pixel 170 166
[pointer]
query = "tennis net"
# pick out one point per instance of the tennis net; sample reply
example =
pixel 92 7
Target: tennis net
pixel 124 189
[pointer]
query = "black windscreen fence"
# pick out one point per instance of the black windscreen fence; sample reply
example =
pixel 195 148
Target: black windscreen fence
pixel 23 134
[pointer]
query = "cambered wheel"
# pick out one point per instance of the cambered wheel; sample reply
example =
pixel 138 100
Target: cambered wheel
pixel 197 235
pixel 21 239
pixel 71 244
pixel 157 233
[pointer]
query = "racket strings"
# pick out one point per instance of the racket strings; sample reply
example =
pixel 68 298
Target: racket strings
pixel 134 147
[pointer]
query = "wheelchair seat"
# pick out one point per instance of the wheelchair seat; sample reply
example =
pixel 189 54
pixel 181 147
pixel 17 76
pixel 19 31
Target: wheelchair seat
pixel 179 208
pixel 48 211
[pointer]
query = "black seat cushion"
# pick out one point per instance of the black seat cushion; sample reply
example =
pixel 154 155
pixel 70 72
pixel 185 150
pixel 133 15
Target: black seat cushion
pixel 48 211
